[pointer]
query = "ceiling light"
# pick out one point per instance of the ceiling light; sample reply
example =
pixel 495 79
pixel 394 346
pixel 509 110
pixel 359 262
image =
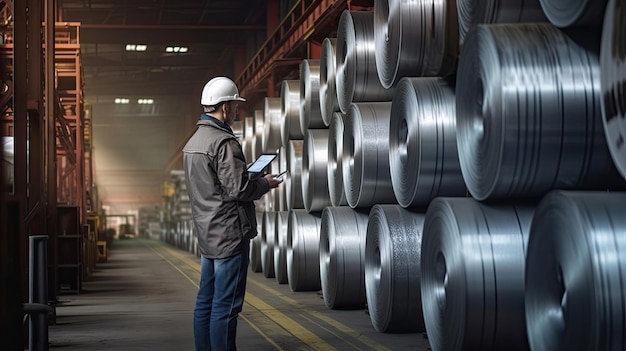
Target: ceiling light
pixel 136 47
pixel 176 49
pixel 122 101
pixel 145 101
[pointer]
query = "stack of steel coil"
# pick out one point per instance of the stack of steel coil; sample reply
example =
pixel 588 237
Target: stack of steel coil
pixel 328 88
pixel 429 26
pixel 259 127
pixel 248 138
pixel 237 128
pixel 357 80
pixel 392 269
pixel 473 259
pixel 280 247
pixel 271 136
pixel 336 190
pixel 367 180
pixel 310 111
pixel 570 13
pixel 267 243
pixel 255 245
pixel 613 81
pixel 290 111
pixel 528 113
pixel 314 170
pixel 272 198
pixel 281 192
pixel 473 12
pixel 303 236
pixel 575 272
pixel 423 153
pixel 342 257
pixel 293 182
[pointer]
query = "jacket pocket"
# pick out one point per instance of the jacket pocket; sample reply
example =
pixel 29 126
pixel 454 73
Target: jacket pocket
pixel 247 219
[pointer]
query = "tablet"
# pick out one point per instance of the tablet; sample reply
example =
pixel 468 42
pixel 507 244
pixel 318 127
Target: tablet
pixel 261 162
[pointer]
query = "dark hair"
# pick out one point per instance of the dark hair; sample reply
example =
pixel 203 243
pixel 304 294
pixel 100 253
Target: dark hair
pixel 214 107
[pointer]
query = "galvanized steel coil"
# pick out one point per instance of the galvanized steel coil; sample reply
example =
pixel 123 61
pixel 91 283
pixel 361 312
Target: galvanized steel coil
pixel 259 127
pixel 237 128
pixel 310 109
pixel 248 138
pixel 473 12
pixel 571 13
pixel 314 170
pixel 328 88
pixel 267 244
pixel 260 207
pixel 342 257
pixel 431 28
pixel 575 272
pixel 528 113
pixel 293 181
pixel 272 138
pixel 290 111
pixel 392 269
pixel 255 245
pixel 303 241
pixel 273 197
pixel 365 163
pixel 255 254
pixel 613 81
pixel 268 201
pixel 280 247
pixel 336 190
pixel 281 192
pixel 423 156
pixel 473 275
pixel 356 79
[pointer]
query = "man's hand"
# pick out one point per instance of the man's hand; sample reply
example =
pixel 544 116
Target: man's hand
pixel 272 180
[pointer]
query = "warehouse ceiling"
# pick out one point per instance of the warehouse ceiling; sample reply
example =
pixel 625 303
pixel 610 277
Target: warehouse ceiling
pixel 178 46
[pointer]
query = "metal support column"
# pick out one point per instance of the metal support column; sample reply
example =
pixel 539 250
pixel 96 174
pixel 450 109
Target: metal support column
pixel 50 168
pixel 38 292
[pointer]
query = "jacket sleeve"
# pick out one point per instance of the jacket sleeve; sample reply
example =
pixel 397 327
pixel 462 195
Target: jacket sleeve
pixel 231 169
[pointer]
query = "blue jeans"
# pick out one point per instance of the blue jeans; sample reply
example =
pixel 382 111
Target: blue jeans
pixel 219 301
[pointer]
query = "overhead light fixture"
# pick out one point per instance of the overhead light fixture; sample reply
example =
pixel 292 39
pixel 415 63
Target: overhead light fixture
pixel 145 101
pixel 176 49
pixel 136 47
pixel 122 101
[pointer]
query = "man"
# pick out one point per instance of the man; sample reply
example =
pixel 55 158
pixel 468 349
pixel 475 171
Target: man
pixel 221 192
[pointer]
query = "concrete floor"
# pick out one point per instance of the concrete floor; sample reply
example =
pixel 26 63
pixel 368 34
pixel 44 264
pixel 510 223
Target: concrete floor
pixel 143 299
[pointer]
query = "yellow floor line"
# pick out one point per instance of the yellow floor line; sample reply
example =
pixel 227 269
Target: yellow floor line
pixel 326 319
pixel 310 339
pixel 265 336
pixel 331 331
pixel 297 330
pixel 194 282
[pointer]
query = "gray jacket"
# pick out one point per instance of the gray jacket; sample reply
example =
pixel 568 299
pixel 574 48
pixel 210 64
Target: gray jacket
pixel 220 190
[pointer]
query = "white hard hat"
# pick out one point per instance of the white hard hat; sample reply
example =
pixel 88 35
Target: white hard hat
pixel 219 89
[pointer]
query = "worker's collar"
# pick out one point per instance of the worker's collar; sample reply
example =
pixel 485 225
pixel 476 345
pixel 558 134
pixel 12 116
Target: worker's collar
pixel 205 116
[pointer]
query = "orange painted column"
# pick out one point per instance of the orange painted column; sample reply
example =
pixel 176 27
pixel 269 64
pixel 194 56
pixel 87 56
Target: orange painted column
pixel 315 50
pixel 272 16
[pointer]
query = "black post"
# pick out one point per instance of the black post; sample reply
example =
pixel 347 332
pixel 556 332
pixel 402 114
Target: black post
pixel 38 290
